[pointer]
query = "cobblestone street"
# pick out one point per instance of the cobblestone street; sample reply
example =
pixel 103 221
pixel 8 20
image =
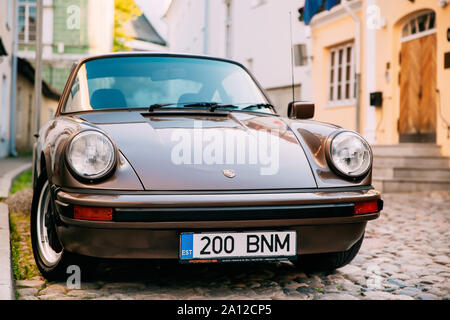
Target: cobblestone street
pixel 405 255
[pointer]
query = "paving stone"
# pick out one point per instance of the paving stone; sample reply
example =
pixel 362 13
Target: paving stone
pixel 29 284
pixel 441 259
pixel 337 296
pixel 27 292
pixel 397 283
pixel 379 295
pixel 83 294
pixel 427 296
pixel 54 289
pixel 409 291
pixel 51 296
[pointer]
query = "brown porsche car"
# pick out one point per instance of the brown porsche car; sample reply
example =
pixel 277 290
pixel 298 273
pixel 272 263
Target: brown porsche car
pixel 182 157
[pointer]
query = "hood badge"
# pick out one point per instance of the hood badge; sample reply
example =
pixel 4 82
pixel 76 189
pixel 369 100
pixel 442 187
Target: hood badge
pixel 228 173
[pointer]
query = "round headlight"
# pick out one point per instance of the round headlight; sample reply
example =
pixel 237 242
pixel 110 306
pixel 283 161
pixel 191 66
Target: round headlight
pixel 350 154
pixel 91 155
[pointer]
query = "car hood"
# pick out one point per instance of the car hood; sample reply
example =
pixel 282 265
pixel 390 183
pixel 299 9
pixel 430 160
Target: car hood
pixel 208 151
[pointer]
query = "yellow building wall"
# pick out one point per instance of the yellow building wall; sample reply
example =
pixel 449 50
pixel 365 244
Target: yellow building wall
pixel 388 46
pixel 396 14
pixel 324 37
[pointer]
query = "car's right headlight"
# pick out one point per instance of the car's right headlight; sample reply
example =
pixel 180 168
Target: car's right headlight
pixel 349 154
pixel 91 155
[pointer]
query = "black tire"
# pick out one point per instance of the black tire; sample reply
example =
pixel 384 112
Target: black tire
pixel 328 261
pixel 57 271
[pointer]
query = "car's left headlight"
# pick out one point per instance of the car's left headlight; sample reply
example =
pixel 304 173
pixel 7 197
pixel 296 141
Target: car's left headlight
pixel 350 154
pixel 91 155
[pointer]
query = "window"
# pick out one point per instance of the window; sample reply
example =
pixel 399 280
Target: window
pixel 341 76
pixel 300 56
pixel 419 25
pixel 27 21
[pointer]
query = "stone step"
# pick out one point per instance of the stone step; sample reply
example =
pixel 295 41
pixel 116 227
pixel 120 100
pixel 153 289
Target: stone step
pixel 410 162
pixel 416 174
pixel 396 185
pixel 407 150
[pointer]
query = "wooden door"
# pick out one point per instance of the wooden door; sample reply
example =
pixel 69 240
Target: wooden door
pixel 417 122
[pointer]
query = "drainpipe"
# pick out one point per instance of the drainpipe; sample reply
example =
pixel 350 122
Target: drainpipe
pixel 370 74
pixel 12 129
pixel 358 61
pixel 206 29
pixel 38 65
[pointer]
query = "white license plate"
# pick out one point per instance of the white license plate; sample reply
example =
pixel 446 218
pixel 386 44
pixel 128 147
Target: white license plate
pixel 238 246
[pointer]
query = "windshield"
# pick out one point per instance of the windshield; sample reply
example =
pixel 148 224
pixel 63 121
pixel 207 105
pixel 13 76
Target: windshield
pixel 172 82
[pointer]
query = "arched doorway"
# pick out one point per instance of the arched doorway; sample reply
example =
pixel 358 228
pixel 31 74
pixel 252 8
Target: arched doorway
pixel 417 122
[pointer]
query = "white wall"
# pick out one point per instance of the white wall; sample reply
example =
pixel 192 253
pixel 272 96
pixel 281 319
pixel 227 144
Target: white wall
pixel 6 34
pixel 185 20
pixel 260 34
pixel 100 26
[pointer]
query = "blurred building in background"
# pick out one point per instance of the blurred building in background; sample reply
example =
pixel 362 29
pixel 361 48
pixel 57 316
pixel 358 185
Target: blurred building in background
pixel 253 32
pixel 144 36
pixel 402 51
pixel 72 29
pixel 25 112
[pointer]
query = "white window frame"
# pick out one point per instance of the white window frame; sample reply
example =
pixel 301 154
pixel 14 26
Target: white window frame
pixel 415 20
pixel 27 6
pixel 333 84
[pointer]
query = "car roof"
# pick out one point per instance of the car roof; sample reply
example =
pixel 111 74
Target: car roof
pixel 155 54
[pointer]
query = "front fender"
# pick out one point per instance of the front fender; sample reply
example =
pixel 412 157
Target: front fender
pixel 51 148
pixel 313 135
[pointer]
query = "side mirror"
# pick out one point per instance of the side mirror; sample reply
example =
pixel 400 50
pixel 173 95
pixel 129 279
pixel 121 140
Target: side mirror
pixel 300 110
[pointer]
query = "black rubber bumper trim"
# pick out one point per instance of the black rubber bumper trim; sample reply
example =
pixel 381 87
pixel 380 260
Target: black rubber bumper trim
pixel 233 213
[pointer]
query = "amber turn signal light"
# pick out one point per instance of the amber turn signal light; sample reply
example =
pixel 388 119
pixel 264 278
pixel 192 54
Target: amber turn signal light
pixel 366 207
pixel 92 213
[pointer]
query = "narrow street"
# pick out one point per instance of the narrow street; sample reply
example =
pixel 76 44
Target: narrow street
pixel 405 255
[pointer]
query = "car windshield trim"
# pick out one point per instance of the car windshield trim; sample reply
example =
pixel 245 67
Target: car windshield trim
pixel 84 72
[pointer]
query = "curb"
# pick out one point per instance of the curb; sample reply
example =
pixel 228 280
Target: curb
pixel 6 275
pixel 8 178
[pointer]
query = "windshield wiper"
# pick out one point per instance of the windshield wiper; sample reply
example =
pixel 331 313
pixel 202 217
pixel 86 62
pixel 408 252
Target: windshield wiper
pixel 211 105
pixel 158 106
pixel 259 106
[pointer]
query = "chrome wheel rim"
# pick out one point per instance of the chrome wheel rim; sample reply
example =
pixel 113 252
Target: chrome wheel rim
pixel 48 256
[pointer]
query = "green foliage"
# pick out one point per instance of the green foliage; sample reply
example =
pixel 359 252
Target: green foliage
pixel 24 181
pixel 23 264
pixel 124 11
pixel 15 251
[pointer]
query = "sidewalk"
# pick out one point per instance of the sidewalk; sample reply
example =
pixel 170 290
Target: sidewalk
pixel 10 168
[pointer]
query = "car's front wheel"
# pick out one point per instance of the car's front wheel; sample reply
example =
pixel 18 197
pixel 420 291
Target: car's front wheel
pixel 51 259
pixel 328 261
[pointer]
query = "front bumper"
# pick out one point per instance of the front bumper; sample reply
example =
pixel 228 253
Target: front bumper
pixel 148 224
